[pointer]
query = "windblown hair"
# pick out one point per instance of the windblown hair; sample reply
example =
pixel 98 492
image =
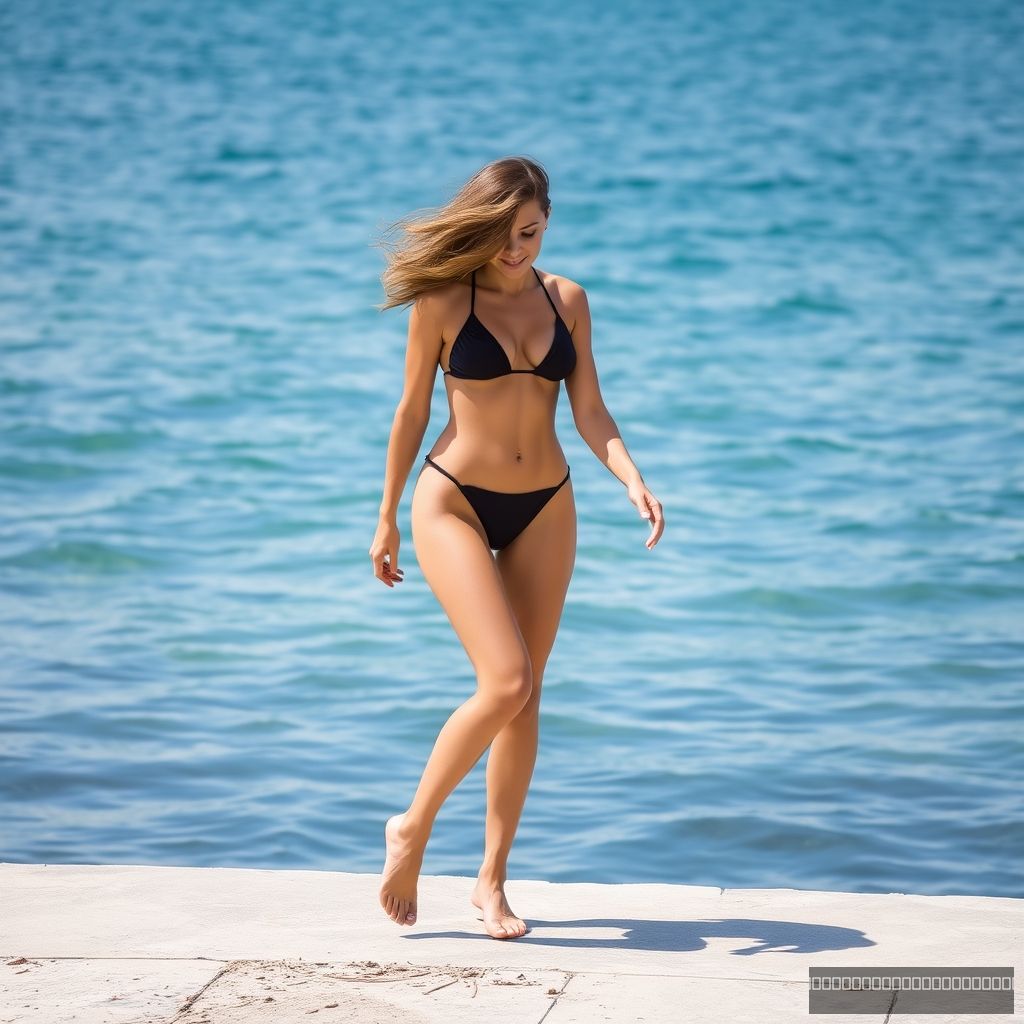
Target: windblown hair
pixel 461 236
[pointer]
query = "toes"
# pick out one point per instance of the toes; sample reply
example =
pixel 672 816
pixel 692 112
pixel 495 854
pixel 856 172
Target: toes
pixel 400 911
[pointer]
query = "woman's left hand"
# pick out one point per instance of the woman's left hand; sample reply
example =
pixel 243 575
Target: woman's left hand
pixel 650 509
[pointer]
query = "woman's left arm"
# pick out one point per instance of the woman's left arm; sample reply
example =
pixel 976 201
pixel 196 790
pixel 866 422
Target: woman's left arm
pixel 593 420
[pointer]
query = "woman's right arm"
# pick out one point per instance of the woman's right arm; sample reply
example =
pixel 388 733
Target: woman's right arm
pixel 410 421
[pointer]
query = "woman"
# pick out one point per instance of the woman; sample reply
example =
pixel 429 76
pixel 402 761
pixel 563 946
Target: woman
pixel 496 478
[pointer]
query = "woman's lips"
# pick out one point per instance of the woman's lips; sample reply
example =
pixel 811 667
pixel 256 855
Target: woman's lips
pixel 509 263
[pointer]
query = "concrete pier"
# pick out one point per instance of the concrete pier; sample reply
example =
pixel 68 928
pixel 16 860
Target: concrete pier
pixel 134 944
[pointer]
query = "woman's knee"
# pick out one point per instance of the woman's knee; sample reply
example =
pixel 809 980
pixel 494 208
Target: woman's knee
pixel 509 685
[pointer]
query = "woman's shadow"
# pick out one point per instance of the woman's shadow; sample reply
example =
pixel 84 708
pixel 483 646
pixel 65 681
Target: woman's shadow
pixel 683 936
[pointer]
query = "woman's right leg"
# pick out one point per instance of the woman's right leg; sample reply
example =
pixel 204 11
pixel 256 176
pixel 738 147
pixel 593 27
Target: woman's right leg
pixel 457 564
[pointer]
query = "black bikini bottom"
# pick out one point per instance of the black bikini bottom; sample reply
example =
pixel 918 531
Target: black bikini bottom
pixel 503 514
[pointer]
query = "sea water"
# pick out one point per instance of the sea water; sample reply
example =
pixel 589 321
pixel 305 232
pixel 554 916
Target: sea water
pixel 800 230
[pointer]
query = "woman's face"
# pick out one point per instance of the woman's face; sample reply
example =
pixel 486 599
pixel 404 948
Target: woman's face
pixel 523 244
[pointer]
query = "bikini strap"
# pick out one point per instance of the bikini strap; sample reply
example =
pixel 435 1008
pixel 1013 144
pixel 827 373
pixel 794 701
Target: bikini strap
pixel 430 461
pixel 472 294
pixel 546 292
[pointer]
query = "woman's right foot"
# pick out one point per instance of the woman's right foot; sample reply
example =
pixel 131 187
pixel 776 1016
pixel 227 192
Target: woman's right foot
pixel 402 861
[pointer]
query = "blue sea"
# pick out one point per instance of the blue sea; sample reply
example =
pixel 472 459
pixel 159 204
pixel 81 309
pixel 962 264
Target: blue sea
pixel 800 227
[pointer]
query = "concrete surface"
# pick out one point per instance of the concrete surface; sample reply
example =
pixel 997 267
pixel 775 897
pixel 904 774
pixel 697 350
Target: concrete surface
pixel 137 944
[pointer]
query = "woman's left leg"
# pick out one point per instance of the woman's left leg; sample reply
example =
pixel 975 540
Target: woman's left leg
pixel 536 568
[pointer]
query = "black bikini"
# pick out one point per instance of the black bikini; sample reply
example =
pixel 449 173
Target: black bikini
pixel 477 355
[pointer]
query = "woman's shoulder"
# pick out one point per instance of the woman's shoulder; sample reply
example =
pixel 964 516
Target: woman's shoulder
pixel 570 292
pixel 443 292
pixel 442 300
pixel 444 307
pixel 560 279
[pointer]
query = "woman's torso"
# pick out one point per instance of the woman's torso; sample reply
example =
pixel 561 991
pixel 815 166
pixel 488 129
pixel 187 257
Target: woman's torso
pixel 500 432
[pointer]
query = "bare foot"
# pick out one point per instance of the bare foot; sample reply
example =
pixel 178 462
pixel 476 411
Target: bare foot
pixel 402 862
pixel 499 920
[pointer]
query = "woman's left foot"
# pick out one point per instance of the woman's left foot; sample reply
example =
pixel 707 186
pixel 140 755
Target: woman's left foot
pixel 499 920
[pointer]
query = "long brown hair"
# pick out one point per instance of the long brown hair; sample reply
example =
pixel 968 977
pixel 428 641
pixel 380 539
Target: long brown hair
pixel 461 236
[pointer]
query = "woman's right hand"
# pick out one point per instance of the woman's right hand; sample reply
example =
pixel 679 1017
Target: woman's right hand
pixel 384 553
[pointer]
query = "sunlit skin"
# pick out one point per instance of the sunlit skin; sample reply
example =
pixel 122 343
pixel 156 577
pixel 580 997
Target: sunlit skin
pixel 504 607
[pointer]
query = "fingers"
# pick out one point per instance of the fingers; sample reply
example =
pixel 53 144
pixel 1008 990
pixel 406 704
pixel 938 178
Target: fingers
pixel 385 575
pixel 655 514
pixel 388 575
pixel 382 569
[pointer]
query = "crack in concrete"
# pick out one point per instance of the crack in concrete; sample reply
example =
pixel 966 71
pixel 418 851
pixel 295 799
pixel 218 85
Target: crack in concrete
pixel 569 975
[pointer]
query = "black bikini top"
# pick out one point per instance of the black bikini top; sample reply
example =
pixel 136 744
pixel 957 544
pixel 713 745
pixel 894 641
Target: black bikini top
pixel 477 355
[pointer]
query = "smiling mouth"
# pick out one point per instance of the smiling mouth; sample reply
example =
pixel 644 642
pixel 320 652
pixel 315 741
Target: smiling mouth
pixel 509 263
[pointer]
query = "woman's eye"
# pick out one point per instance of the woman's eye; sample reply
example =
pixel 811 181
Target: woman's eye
pixel 530 235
